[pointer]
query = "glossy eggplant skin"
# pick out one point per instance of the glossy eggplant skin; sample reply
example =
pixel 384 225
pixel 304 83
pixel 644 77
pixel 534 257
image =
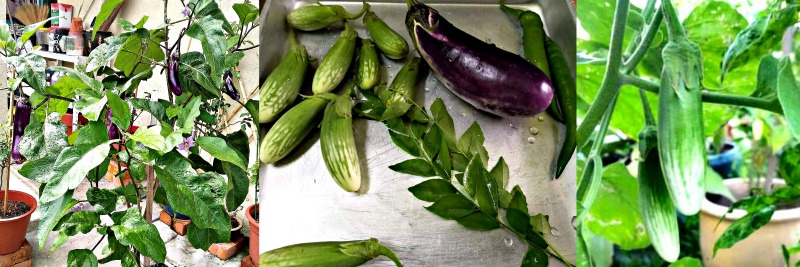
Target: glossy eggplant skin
pixel 489 78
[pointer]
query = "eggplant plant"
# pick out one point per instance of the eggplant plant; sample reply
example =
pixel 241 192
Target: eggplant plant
pixel 105 93
pixel 695 73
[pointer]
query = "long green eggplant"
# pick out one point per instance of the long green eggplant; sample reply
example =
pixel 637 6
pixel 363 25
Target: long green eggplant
pixel 327 254
pixel 290 129
pixel 368 73
pixel 337 61
pixel 681 144
pixel 318 16
pixel 391 44
pixel 339 145
pixel 655 204
pixel 283 84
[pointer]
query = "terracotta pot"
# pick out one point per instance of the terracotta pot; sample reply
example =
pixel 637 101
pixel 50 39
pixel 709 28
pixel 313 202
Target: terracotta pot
pixel 13 230
pixel 253 232
pixel 763 247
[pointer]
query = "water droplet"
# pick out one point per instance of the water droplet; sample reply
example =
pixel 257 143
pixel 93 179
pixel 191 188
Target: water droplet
pixel 554 232
pixel 534 130
pixel 427 89
pixel 575 222
pixel 531 140
pixel 541 118
pixel 508 241
pixel 462 114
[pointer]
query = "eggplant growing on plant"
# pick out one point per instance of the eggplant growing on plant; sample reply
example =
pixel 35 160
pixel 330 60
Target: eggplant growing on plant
pixel 172 72
pixel 315 17
pixel 113 130
pixel 230 89
pixel 487 77
pixel 22 117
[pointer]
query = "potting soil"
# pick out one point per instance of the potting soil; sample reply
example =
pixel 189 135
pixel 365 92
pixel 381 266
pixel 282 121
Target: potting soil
pixel 15 209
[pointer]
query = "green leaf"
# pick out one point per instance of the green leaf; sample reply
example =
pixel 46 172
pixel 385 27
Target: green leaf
pixel 540 223
pixel 116 251
pixel 518 221
pixel 52 212
pixel 713 26
pixel 535 257
pixel 90 82
pixel 767 78
pixel 443 163
pixel 759 38
pixel 714 184
pixel 208 30
pixel 472 140
pixel 104 201
pixel 219 149
pixel 615 212
pixel 444 121
pixel 120 111
pixel 395 110
pixel 417 167
pixel 432 190
pixel 238 184
pixel 743 227
pixel 432 141
pixel 246 12
pixel 481 187
pixel 789 165
pixel 39 170
pixel 188 114
pixel 105 52
pixel 155 108
pixel 41 140
pixel 81 258
pixel 202 238
pixel 138 53
pixel 30 30
pixel 209 190
pixel 81 221
pixel 72 165
pixel 518 200
pixel 149 137
pixel 500 173
pixel 105 12
pixel 91 103
pixel 789 96
pixel 478 221
pixel 209 8
pixel 30 67
pixel 93 134
pixel 687 262
pixel 135 231
pixel 452 207
pixel 402 137
pixel 193 64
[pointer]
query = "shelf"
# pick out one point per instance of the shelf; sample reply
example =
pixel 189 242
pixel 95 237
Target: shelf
pixel 61 57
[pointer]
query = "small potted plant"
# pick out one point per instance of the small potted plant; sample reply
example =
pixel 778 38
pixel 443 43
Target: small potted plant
pixel 16 207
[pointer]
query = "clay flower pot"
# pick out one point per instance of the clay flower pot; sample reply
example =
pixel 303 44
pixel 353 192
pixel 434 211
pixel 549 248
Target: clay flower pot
pixel 762 248
pixel 253 232
pixel 12 231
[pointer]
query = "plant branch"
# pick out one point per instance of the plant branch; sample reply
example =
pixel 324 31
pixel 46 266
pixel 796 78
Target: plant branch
pixel 644 45
pixel 99 241
pixel 611 84
pixel 712 97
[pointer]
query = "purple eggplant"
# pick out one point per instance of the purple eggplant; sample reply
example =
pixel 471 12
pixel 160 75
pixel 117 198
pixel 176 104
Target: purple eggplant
pixel 22 117
pixel 489 78
pixel 113 130
pixel 230 90
pixel 172 72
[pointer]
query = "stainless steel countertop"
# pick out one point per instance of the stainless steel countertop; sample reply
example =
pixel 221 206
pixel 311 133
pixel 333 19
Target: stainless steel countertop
pixel 301 203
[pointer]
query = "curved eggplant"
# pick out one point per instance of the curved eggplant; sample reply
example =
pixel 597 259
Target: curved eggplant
pixel 113 130
pixel 230 89
pixel 22 117
pixel 172 72
pixel 489 78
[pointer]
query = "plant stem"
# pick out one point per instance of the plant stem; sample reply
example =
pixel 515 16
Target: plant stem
pixel 99 241
pixel 611 84
pixel 644 45
pixel 673 23
pixel 712 97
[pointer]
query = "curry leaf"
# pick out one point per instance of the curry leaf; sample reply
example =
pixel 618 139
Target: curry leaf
pixel 418 167
pixel 432 190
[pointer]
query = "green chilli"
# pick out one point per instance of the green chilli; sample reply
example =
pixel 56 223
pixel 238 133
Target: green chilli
pixel 337 61
pixel 283 84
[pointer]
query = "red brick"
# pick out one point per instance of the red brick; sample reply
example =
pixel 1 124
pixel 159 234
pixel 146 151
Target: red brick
pixel 180 225
pixel 19 258
pixel 225 251
pixel 248 262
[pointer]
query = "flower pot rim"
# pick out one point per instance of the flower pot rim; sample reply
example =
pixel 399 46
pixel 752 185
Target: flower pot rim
pixel 718 211
pixel 250 217
pixel 33 207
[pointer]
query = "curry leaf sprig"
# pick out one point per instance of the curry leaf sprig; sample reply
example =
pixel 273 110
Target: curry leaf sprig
pixel 464 189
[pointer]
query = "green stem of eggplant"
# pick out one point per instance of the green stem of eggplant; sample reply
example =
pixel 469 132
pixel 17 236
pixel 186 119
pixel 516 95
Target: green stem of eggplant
pixel 649 119
pixel 389 254
pixel 511 11
pixel 711 97
pixel 644 45
pixel 611 82
pixel 360 13
pixel 673 23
